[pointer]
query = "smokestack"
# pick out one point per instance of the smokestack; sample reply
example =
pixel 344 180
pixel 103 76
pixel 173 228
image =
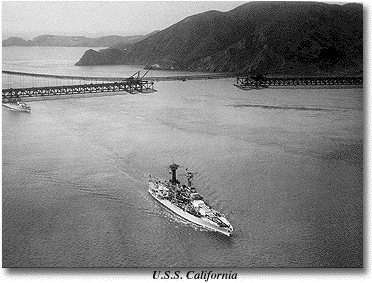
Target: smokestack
pixel 174 168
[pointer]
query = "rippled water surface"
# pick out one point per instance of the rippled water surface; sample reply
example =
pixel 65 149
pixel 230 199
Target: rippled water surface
pixel 285 166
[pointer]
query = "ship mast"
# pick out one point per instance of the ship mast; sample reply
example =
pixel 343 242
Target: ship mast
pixel 189 176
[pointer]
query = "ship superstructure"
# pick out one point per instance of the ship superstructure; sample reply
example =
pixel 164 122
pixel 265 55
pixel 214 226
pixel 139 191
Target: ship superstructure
pixel 187 203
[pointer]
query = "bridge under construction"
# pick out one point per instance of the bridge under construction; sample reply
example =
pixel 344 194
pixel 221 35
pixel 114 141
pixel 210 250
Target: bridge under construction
pixel 21 85
pixel 51 85
pixel 260 82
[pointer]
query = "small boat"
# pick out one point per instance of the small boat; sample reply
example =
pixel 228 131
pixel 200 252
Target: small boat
pixel 17 106
pixel 250 87
pixel 185 202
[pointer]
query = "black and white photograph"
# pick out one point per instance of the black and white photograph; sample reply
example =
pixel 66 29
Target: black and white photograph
pixel 189 138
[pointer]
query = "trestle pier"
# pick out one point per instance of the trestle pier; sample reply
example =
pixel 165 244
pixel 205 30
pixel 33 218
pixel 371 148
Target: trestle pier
pixel 128 85
pixel 260 82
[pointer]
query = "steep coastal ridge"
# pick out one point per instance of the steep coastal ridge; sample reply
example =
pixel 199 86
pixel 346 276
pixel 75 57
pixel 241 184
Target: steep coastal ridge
pixel 265 37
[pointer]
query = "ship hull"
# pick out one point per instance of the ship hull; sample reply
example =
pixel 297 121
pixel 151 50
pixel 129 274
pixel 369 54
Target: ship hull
pixel 15 108
pixel 189 217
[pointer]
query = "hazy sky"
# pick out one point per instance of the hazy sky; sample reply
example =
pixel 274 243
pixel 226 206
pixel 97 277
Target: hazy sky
pixel 29 19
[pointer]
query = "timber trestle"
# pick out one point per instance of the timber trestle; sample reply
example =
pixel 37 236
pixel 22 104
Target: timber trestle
pixel 248 82
pixel 141 86
pixel 64 87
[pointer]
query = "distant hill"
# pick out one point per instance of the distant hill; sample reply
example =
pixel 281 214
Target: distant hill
pixel 263 37
pixel 113 40
pixel 82 41
pixel 16 41
pixel 125 45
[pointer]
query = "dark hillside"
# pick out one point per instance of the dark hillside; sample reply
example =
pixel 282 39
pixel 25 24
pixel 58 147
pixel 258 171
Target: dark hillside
pixel 265 37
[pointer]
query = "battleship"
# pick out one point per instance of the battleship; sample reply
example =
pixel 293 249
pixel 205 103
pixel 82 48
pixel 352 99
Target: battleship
pixel 184 201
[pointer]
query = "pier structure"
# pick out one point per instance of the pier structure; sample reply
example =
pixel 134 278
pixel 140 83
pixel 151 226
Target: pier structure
pixel 19 85
pixel 258 82
pixel 194 77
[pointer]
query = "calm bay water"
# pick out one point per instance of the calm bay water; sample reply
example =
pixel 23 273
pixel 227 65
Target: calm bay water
pixel 284 165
